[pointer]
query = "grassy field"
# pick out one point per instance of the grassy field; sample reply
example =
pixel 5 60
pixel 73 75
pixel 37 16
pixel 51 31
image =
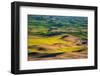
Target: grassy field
pixel 47 41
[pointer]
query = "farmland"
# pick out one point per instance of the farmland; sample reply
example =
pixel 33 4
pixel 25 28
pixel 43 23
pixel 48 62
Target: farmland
pixel 57 37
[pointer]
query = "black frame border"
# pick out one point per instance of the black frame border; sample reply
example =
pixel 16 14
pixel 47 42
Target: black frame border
pixel 15 37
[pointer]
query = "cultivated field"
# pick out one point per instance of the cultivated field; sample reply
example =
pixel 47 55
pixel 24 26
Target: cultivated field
pixel 53 42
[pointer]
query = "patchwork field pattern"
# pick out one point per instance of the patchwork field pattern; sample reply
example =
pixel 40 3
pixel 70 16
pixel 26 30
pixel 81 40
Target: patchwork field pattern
pixel 57 37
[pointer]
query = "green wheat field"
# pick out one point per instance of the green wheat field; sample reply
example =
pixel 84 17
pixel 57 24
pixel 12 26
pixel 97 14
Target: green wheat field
pixel 57 37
